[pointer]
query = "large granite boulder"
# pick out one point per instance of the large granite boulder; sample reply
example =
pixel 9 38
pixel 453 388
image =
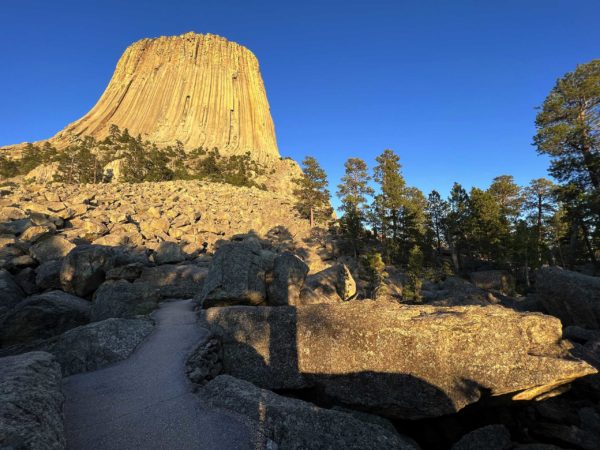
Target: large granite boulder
pixel 175 281
pixel 289 273
pixel 455 291
pixel 295 424
pixel 493 280
pixel 84 268
pixel 400 361
pixel 31 402
pixel 123 299
pixel 43 316
pixel 50 247
pixel 572 297
pixel 47 275
pixel 93 346
pixel 490 437
pixel 237 275
pixel 330 285
pixel 10 293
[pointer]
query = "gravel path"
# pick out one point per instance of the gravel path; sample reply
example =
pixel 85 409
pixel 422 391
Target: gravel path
pixel 145 402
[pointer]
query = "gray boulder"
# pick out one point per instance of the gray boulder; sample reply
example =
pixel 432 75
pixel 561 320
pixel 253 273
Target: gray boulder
pixel 93 346
pixel 47 275
pixel 490 437
pixel 333 284
pixel 493 280
pixel 295 424
pixel 289 273
pixel 25 278
pixel 43 316
pixel 10 292
pixel 84 269
pixel 236 275
pixel 31 402
pixel 169 253
pixel 50 247
pixel 572 297
pixel 182 281
pixel 400 361
pixel 123 299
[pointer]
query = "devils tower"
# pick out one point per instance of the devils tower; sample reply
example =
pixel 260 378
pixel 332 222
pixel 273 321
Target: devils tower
pixel 201 90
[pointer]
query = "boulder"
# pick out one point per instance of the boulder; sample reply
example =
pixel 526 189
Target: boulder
pixel 50 247
pixel 10 293
pixel 47 275
pixel 296 424
pixel 182 281
pixel 490 437
pixel 31 402
pixel 236 275
pixel 42 316
pixel 400 361
pixel 168 253
pixel 493 280
pixel 335 283
pixel 129 272
pixel 35 233
pixel 289 273
pixel 123 299
pixel 98 344
pixel 572 297
pixel 84 268
pixel 455 291
pixel 26 281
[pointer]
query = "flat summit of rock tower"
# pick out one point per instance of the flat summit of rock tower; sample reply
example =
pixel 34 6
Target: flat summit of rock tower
pixel 200 89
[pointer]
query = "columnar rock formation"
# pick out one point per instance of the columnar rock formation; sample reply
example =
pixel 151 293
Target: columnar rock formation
pixel 202 90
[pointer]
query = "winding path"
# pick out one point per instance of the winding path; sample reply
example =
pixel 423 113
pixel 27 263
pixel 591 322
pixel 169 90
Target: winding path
pixel 145 402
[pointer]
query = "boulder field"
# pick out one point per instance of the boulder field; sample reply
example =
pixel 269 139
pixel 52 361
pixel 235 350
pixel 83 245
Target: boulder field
pixel 283 338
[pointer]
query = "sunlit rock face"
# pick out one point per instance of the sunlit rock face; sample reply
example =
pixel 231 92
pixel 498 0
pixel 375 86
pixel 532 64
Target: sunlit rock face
pixel 201 90
pixel 406 362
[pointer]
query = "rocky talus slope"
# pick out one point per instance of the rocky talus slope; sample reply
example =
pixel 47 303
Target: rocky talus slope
pixel 179 217
pixel 202 90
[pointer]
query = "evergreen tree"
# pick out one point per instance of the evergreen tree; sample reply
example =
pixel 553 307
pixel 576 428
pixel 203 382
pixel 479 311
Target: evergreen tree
pixel 457 223
pixel 568 127
pixel 388 174
pixel 353 192
pixel 540 206
pixel 8 167
pixel 437 214
pixel 374 268
pixel 312 193
pixel 509 196
pixel 568 130
pixel 412 223
pixel 412 288
pixel 488 230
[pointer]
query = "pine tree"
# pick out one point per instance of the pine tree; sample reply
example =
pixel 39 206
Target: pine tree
pixel 540 205
pixel 509 196
pixel 437 214
pixel 388 174
pixel 375 273
pixel 312 193
pixel 353 192
pixel 412 288
pixel 457 223
pixel 568 130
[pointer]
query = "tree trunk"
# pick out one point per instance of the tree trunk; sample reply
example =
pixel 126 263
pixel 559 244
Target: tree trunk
pixel 588 244
pixel 455 261
pixel 312 217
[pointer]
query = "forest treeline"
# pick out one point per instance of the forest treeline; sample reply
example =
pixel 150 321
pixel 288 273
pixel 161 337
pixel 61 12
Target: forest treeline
pixel 506 226
pixel 89 161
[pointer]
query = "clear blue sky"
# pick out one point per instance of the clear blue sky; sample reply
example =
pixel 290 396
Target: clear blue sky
pixel 449 85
